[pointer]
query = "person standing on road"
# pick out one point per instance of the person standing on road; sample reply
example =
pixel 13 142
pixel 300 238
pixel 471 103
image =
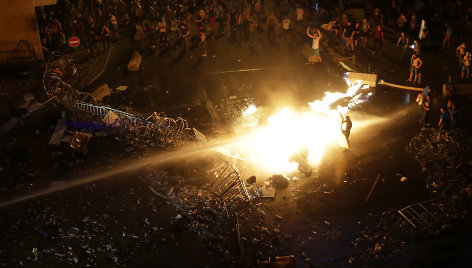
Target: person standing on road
pixel 355 35
pixel 346 126
pixel 444 122
pixel 202 42
pixel 460 52
pixel 419 100
pixel 271 22
pixel 348 35
pixel 365 29
pixel 299 16
pixel 114 25
pixel 403 40
pixel 401 22
pixel 466 66
pixel 315 46
pixel 184 37
pixel 286 27
pixel 451 108
pixel 426 111
pixel 416 64
pixel 105 33
pixel 446 42
pixel 378 37
pixel 163 31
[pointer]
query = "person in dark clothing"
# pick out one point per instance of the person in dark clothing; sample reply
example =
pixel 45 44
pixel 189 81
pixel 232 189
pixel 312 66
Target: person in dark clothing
pixel 346 126
pixel 348 36
pixel 378 37
pixel 271 22
pixel 444 123
pixel 426 111
pixel 233 26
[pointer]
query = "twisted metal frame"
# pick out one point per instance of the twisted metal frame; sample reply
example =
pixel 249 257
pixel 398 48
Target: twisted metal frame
pixel 227 185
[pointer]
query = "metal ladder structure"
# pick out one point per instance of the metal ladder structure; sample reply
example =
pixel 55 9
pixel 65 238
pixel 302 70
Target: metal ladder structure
pixel 419 215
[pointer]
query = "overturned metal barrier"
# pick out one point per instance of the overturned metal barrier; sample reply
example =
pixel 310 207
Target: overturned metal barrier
pixel 419 215
pixel 227 185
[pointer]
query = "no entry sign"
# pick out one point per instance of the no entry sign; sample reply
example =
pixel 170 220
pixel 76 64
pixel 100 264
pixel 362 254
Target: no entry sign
pixel 74 41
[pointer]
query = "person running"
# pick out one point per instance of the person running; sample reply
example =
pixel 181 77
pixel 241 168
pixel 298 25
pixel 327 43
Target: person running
pixel 315 46
pixel 416 64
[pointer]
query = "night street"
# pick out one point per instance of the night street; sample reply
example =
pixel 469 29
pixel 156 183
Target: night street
pixel 237 153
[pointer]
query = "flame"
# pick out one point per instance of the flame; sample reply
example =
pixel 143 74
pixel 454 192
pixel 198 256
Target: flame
pixel 270 146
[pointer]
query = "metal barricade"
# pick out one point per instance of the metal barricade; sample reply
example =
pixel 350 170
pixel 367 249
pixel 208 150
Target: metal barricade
pixel 167 129
pixel 227 185
pixel 419 215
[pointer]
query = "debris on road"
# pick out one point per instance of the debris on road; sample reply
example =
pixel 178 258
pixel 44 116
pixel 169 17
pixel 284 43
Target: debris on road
pixel 100 93
pixel 58 133
pixel 268 193
pixel 80 141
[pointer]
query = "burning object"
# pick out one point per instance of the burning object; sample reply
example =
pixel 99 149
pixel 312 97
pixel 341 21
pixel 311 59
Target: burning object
pixel 270 145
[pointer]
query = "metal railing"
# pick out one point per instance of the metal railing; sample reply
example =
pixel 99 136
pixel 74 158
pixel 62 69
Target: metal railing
pixel 60 68
pixel 173 130
pixel 227 185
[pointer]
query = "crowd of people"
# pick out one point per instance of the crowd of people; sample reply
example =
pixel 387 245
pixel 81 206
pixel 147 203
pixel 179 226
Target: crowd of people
pixel 176 22
pixel 189 24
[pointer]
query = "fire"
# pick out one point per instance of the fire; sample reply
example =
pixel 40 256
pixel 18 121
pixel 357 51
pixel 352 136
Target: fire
pixel 270 146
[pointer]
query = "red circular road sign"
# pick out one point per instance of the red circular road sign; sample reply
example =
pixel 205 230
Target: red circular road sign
pixel 74 41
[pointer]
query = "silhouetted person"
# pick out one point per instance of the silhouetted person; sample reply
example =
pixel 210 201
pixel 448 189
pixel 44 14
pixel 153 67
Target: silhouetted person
pixel 346 126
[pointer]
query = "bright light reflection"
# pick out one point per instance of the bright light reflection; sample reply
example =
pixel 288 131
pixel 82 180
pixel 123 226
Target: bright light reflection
pixel 270 146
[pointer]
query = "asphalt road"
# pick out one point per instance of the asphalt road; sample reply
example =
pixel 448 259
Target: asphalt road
pixel 320 214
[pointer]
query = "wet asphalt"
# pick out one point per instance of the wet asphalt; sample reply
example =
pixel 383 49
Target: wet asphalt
pixel 210 93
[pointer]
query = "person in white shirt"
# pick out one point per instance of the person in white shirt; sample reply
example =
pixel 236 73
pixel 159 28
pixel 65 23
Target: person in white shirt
pixel 315 46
